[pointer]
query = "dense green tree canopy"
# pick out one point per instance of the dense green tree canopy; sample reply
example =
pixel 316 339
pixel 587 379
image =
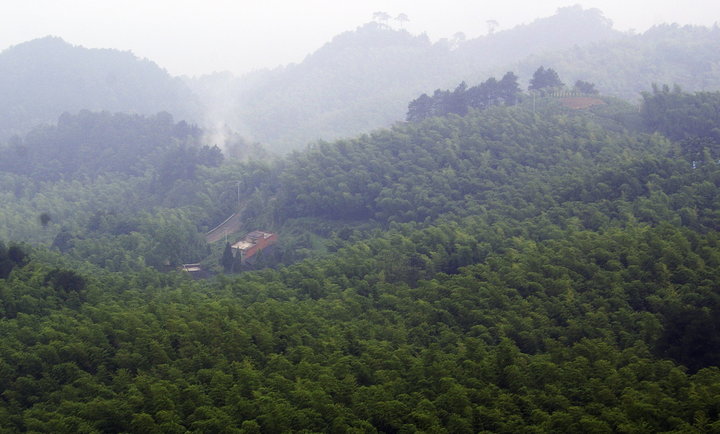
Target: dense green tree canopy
pixel 519 268
pixel 545 79
pixel 488 93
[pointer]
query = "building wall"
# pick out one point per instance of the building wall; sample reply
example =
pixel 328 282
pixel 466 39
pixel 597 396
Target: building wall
pixel 260 244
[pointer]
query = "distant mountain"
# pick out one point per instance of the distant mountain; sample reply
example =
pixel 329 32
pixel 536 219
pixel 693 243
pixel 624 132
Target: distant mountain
pixel 41 79
pixel 666 54
pixel 359 81
pixel 355 83
pixel 364 79
pixel 571 27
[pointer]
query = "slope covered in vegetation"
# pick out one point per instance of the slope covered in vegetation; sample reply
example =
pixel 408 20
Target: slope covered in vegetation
pixel 120 190
pixel 669 53
pixel 550 271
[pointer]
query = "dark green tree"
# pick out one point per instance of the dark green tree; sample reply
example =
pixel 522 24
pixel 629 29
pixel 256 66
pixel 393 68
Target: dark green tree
pixel 66 281
pixel 44 219
pixel 545 79
pixel 420 108
pixel 585 87
pixel 11 257
pixel 228 259
pixel 509 89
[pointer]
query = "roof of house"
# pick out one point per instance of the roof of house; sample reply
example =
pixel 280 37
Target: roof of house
pixel 251 239
pixel 243 244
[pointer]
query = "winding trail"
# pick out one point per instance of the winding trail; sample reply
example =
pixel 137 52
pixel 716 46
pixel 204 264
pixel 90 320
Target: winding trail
pixel 231 225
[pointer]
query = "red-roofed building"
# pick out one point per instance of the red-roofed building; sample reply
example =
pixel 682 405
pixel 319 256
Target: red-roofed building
pixel 252 244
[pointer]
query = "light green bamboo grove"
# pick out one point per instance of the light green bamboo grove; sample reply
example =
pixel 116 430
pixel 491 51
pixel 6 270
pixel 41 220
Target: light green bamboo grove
pixel 503 271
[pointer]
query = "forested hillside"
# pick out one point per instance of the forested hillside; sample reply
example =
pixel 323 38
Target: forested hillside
pixel 121 191
pixel 43 78
pixel 91 144
pixel 684 55
pixel 525 268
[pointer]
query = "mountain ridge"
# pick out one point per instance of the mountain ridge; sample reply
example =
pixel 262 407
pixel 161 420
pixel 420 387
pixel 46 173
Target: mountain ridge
pixel 363 79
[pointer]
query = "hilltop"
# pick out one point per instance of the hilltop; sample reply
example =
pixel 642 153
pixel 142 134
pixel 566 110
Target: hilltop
pixel 43 78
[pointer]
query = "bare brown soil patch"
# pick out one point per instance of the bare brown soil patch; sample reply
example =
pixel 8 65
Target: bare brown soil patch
pixel 581 102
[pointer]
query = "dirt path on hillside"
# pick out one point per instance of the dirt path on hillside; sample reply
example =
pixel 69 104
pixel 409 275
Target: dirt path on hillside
pixel 229 227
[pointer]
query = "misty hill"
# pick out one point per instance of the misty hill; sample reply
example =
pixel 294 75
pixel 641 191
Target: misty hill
pixel 571 27
pixel 363 79
pixel 666 54
pixel 356 82
pixel 45 77
pixel 91 144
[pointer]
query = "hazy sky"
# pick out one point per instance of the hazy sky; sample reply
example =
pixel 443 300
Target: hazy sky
pixel 196 37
